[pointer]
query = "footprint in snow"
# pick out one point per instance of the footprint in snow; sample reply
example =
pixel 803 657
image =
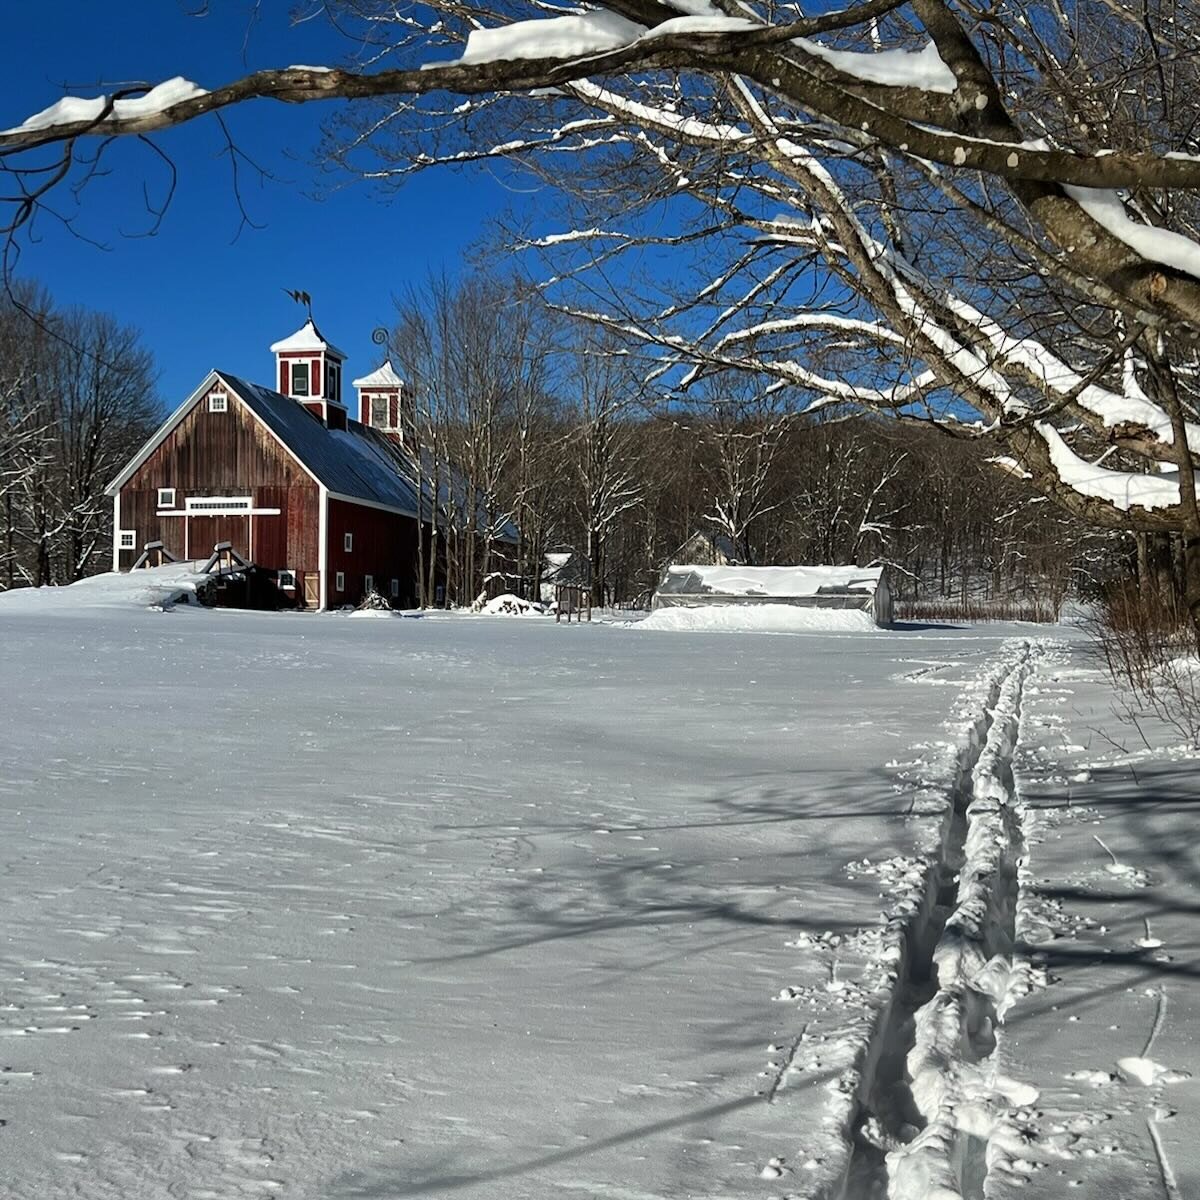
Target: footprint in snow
pixel 773 1170
pixel 1148 1072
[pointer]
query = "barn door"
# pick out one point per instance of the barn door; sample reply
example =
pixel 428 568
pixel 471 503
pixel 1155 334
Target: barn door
pixel 206 532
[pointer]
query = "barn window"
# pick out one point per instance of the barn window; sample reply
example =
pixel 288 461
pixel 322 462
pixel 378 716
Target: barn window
pixel 218 505
pixel 395 588
pixel 339 581
pixel 166 497
pixel 300 379
pixel 368 583
pixel 379 412
pixel 348 542
pixel 127 539
pixel 287 580
pixel 335 382
pixel 218 402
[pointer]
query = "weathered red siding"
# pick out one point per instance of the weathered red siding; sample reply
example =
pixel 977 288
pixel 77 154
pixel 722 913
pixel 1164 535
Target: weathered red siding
pixel 385 546
pixel 225 454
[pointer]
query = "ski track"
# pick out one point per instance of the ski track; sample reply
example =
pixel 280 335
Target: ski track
pixel 921 1109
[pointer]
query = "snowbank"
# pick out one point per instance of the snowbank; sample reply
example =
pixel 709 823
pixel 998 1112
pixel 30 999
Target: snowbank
pixel 151 587
pixel 760 618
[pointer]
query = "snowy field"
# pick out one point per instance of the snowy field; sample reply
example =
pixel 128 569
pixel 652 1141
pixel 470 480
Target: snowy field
pixel 492 907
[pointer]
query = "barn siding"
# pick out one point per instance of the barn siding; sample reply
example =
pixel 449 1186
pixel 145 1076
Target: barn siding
pixel 225 454
pixel 385 546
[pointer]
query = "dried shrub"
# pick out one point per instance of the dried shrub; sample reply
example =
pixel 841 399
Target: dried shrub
pixel 1000 609
pixel 1146 642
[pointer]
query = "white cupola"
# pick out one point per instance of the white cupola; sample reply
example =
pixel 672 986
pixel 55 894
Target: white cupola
pixel 310 369
pixel 381 401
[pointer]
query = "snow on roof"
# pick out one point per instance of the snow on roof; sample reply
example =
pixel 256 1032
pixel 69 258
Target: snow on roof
pixel 71 109
pixel 307 337
pixel 357 462
pixel 384 377
pixel 694 579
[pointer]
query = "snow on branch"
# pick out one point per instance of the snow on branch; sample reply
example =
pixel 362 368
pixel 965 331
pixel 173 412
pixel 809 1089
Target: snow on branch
pixel 1122 489
pixel 1104 206
pixel 921 69
pixel 553 37
pixel 75 110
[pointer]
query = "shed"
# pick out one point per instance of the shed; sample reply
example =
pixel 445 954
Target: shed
pixel 696 585
pixel 563 568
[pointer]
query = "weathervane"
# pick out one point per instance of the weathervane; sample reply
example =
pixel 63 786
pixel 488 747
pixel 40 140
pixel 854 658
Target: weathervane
pixel 300 298
pixel 379 336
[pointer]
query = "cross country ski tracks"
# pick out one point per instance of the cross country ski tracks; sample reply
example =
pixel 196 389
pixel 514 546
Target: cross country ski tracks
pixel 924 1098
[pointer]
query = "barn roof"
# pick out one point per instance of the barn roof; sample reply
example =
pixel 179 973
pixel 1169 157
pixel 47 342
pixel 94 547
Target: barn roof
pixel 357 463
pixel 696 579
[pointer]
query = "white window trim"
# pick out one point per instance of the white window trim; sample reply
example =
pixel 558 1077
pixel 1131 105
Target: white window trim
pixel 339 582
pixel 395 589
pixel 218 402
pixel 308 390
pixel 368 583
pixel 217 506
pixel 166 497
pixel 284 574
pixel 122 534
pixel 386 426
pixel 348 542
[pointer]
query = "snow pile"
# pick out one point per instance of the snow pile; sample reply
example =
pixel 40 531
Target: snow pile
pixel 150 587
pixel 507 605
pixel 558 37
pixel 373 604
pixel 760 618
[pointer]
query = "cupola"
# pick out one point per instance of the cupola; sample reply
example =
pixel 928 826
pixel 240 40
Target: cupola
pixel 381 402
pixel 309 369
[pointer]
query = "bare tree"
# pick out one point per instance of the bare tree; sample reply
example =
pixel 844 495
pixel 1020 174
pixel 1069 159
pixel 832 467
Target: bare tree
pixel 599 449
pixel 78 397
pixel 476 353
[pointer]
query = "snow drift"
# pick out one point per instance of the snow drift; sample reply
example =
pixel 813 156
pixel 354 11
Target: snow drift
pixel 149 587
pixel 760 618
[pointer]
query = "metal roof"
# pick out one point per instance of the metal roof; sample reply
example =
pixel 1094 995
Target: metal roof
pixel 357 462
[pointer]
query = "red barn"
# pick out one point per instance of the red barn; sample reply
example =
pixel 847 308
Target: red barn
pixel 328 506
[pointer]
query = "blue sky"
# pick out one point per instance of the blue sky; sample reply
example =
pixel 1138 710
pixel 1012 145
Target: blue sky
pixel 201 298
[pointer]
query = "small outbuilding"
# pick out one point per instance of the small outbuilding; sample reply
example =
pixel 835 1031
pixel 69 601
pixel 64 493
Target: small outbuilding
pixel 563 568
pixel 696 585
